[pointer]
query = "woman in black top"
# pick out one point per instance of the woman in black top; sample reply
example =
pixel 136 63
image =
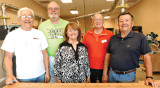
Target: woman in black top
pixel 71 60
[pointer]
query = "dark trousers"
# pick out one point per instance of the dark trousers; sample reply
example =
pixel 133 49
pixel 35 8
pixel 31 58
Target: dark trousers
pixel 96 74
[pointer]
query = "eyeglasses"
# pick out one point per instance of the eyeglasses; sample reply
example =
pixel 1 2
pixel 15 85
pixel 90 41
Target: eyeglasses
pixel 98 19
pixel 50 9
pixel 29 17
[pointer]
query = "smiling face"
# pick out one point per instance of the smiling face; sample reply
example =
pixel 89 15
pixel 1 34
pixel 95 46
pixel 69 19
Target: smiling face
pixel 125 23
pixel 72 33
pixel 26 19
pixel 98 21
pixel 53 11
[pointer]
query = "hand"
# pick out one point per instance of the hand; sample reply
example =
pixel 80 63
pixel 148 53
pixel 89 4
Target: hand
pixel 10 78
pixel 47 77
pixel 152 82
pixel 88 79
pixel 104 79
pixel 58 81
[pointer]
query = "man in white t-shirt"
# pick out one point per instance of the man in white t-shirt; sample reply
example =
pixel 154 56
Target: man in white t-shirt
pixel 29 46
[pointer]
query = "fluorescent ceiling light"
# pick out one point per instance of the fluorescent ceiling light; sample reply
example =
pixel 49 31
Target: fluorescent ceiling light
pixel 106 17
pixel 66 1
pixel 109 0
pixel 74 11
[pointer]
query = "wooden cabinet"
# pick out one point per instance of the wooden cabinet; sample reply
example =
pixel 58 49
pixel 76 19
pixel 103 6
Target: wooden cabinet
pixel 155 62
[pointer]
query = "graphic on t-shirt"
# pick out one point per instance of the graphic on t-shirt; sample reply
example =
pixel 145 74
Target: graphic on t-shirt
pixel 55 33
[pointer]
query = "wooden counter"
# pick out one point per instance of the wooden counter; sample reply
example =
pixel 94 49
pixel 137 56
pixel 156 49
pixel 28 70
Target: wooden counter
pixel 79 85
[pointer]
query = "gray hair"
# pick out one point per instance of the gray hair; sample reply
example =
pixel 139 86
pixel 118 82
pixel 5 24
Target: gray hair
pixel 24 8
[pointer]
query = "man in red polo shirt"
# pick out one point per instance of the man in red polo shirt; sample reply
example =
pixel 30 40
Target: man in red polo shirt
pixel 96 40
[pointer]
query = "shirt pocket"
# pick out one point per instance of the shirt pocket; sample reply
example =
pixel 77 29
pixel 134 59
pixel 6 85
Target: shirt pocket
pixel 35 43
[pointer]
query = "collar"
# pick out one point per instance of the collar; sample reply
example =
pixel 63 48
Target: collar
pixel 130 35
pixel 69 44
pixel 104 32
pixel 25 30
pixel 49 20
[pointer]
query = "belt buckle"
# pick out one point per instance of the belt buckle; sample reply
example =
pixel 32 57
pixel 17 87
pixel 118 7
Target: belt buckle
pixel 124 72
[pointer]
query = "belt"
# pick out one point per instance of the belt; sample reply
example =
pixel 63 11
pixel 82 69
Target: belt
pixel 124 72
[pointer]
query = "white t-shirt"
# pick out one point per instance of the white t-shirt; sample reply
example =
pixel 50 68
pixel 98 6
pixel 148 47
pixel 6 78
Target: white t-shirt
pixel 28 46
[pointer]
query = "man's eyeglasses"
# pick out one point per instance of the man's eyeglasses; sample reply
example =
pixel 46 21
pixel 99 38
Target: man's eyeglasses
pixel 24 17
pixel 98 19
pixel 50 9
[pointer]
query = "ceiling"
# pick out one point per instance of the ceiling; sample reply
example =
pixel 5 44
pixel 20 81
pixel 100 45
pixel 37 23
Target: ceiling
pixel 86 7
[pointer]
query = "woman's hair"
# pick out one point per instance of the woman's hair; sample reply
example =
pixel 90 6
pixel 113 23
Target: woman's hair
pixel 73 25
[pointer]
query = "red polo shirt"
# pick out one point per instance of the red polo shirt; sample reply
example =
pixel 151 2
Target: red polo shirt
pixel 97 47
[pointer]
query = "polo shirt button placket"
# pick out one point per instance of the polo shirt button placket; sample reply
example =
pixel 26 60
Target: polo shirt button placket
pixel 121 42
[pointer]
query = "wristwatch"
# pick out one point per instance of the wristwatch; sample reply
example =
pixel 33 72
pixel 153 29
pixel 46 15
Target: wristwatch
pixel 149 77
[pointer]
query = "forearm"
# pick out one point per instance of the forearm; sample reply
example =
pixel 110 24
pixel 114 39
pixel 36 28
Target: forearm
pixel 8 63
pixel 106 64
pixel 46 60
pixel 148 64
pixel 8 66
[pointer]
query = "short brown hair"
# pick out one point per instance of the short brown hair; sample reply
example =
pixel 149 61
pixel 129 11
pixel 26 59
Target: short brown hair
pixel 74 26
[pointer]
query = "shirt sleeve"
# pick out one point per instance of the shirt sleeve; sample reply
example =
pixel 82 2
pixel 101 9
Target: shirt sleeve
pixel 109 45
pixel 87 69
pixel 9 43
pixel 57 65
pixel 44 43
pixel 145 48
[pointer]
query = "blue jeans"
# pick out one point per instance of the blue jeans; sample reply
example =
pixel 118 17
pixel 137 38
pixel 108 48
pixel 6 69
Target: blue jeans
pixel 51 69
pixel 37 79
pixel 116 78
